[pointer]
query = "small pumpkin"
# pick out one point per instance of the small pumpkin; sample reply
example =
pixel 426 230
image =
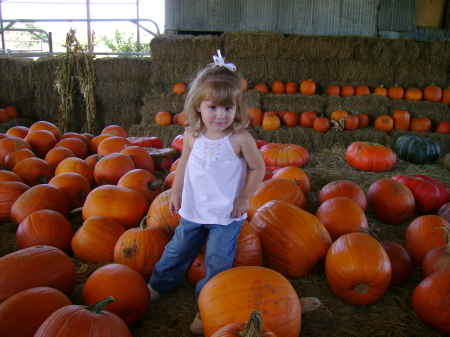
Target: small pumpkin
pixel 400 262
pixel 255 116
pixel 10 191
pixel 308 87
pixel 278 87
pixel 290 118
pixel 179 88
pixel 262 88
pixel 163 118
pixel 432 93
pixel 413 94
pixel 396 92
pixel 334 90
pixel 347 91
pixel 362 90
pixel 343 188
pixel 381 91
pixel 271 122
pixel 384 123
pixel 402 119
pixel 370 157
pixel 363 119
pixel 291 88
pixel 321 124
pixel 443 127
pixel 114 130
pixel 307 118
pixel 281 155
pixel 416 149
pixel 420 124
pixel 437 258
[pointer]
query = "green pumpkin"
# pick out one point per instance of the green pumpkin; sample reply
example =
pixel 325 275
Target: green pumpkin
pixel 417 150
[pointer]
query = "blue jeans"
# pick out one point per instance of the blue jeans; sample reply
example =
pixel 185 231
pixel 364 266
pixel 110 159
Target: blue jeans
pixel 187 241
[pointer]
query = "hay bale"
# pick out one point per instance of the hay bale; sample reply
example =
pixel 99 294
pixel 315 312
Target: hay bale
pixel 436 112
pixel 259 69
pixel 356 72
pixel 294 102
pixel 434 52
pixel 174 72
pixel 254 98
pixel 420 74
pixel 185 48
pixel 237 45
pixel 299 70
pixel 164 102
pixel 387 51
pixel 16 81
pixel 123 69
pixel 316 48
pixel 372 105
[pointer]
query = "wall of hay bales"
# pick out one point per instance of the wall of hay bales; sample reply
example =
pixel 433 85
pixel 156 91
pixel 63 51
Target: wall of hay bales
pixel 130 91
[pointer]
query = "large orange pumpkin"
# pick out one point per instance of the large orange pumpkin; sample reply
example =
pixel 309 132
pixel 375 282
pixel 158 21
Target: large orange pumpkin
pixel 142 181
pixel 78 320
pixel 112 144
pixel 45 227
pixel 76 165
pixel 278 87
pixel 294 242
pixel 396 92
pixel 121 204
pixel 43 196
pixel 34 171
pixel 390 201
pixel 296 175
pixel 343 188
pixel 23 313
pixel 255 116
pixel 358 269
pixel 281 155
pixel 95 240
pixel 57 155
pixel 10 144
pixel 115 131
pixel 159 216
pixel 140 157
pixel 276 189
pixel 422 235
pixel 44 125
pixel 77 146
pixel 37 266
pixel 341 215
pixel 125 285
pixel 9 192
pixel 75 187
pixel 227 299
pixel 402 119
pixel 140 248
pixel 41 142
pixel 370 157
pixel 15 157
pixel 110 168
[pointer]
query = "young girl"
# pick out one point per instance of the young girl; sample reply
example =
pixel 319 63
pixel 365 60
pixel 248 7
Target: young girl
pixel 211 190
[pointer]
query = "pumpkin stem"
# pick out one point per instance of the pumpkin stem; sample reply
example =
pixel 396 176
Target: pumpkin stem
pixel 447 238
pixel 85 270
pixel 253 327
pixel 76 210
pixel 154 184
pixel 309 304
pixel 143 225
pixel 98 307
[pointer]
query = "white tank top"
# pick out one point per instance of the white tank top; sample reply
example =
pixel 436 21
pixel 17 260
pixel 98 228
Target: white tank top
pixel 213 178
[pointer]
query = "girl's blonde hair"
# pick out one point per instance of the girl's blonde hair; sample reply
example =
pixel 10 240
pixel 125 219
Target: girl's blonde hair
pixel 223 87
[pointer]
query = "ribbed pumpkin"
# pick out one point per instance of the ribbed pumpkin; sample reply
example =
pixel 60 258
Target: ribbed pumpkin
pixel 17 131
pixel 78 320
pixel 34 171
pixel 125 285
pixel 142 181
pixel 343 188
pixel 294 242
pixel 44 125
pixel 437 258
pixel 9 176
pixel 39 197
pixel 76 165
pixel 226 299
pixel 281 155
pixel 276 189
pixel 159 215
pixel 23 313
pixel 9 192
pixel 341 216
pixel 140 248
pixel 296 175
pixel 422 235
pixel 417 150
pixel 390 201
pixel 95 240
pixel 45 227
pixel 110 168
pixel 430 300
pixel 358 269
pixel 370 157
pixel 121 204
pixel 38 266
pixel 75 187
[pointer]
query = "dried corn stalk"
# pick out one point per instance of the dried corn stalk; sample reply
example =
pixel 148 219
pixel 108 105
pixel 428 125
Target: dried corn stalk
pixel 75 57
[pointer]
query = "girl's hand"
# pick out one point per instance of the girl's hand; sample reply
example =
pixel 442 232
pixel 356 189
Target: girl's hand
pixel 240 207
pixel 174 203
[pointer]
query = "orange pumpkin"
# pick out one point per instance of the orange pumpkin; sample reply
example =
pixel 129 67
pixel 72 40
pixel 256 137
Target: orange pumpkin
pixel 45 227
pixel 17 131
pixel 112 144
pixel 226 299
pixel 142 181
pixel 77 146
pixel 371 157
pixel 121 204
pixel 75 187
pixel 308 87
pixel 294 242
pixel 281 155
pixel 413 94
pixel 338 115
pixel 79 136
pixel 363 120
pixel 291 88
pixel 114 130
pixel 420 124
pixel 290 118
pixel 343 188
pixel 351 122
pixel 381 91
pixel 396 92
pixel 163 118
pixel 271 122
pixel 95 240
pixel 37 266
pixel 253 325
pixel 390 201
pixel 400 262
pixel 445 96
pixel 10 144
pixel 34 171
pixel 307 118
pixel 358 269
pixel 437 258
pixel 276 189
pixel 110 168
pixel 278 87
pixel 168 181
pixel 347 90
pixel 56 155
pixel 76 165
pixel 384 123
pixel 96 141
pixel 179 88
pixel 9 192
pixel 334 90
pixel 9 176
pixel 159 216
pixel 13 112
pixel 262 88
pixel 432 93
pixel 15 157
pixel 296 175
pixel 362 90
pixel 255 116
pixel 132 301
pixel 44 125
pixel 402 119
pixel 41 142
pixel 341 215
pixel 140 248
pixel 140 157
pixel 443 127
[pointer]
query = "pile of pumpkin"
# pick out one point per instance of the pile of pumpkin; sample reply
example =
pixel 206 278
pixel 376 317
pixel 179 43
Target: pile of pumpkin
pixel 126 225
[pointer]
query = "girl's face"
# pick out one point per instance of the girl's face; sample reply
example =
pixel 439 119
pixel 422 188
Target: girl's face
pixel 216 118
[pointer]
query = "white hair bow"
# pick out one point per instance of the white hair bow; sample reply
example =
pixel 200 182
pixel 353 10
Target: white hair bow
pixel 220 61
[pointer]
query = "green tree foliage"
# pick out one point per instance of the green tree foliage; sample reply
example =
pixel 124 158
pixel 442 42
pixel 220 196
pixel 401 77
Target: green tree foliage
pixel 121 43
